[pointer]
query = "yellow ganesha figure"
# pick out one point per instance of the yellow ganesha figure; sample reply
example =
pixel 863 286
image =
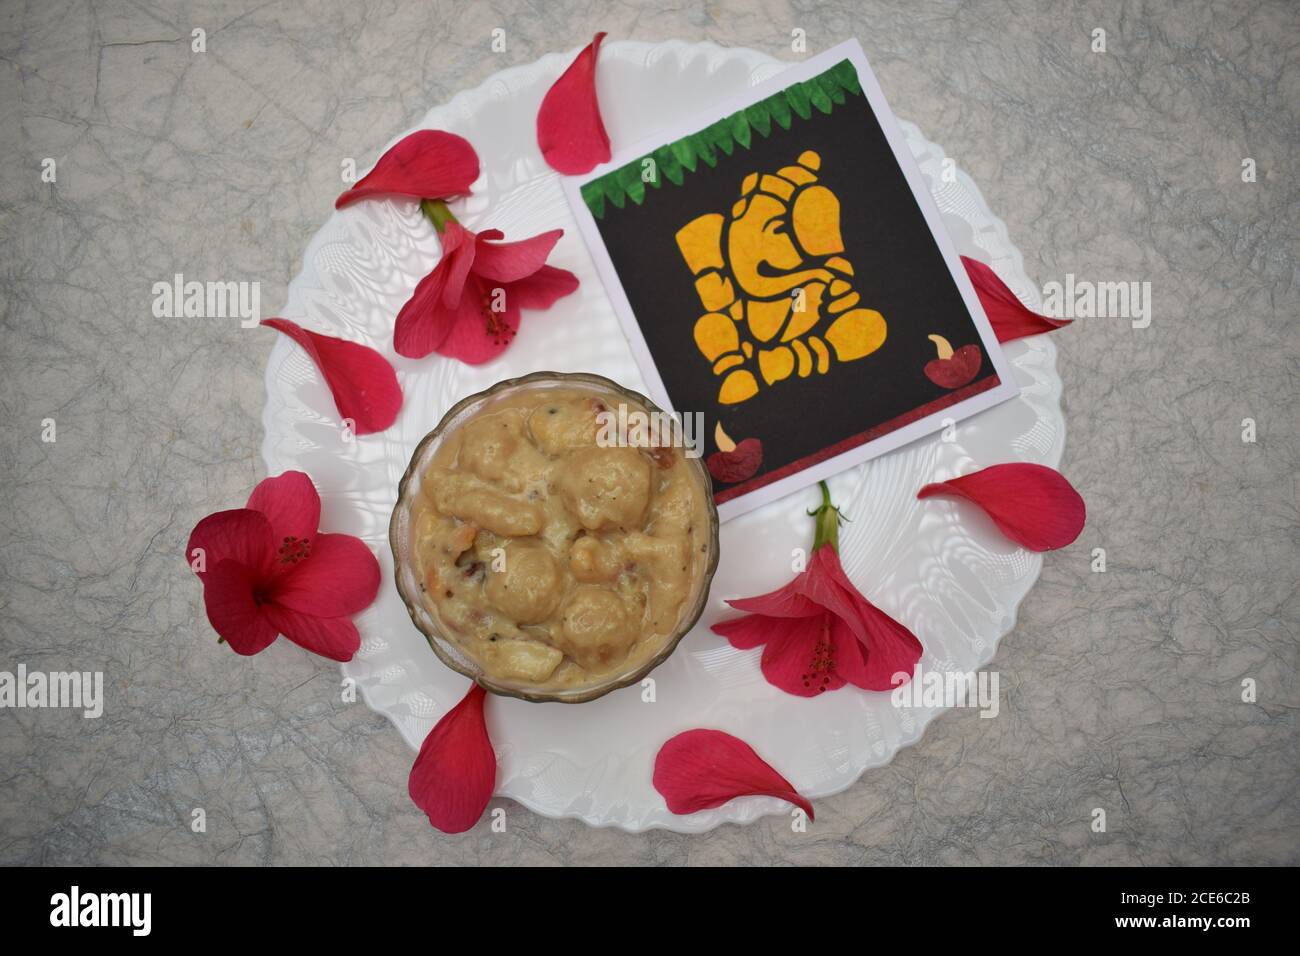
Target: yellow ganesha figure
pixel 775 285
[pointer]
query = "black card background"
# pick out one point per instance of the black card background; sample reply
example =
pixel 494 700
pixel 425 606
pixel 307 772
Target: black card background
pixel 898 269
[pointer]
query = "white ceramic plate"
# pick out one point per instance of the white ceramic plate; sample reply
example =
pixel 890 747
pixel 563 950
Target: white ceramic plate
pixel 939 568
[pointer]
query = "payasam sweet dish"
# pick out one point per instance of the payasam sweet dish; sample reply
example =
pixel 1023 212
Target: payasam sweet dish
pixel 557 550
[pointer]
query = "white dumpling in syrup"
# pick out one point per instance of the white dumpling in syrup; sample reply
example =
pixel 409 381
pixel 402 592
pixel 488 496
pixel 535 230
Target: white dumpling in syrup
pixel 528 585
pixel 594 628
pixel 607 488
pixel 566 423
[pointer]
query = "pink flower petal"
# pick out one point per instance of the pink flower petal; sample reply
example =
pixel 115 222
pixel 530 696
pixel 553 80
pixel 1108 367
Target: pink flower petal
pixel 701 769
pixel 332 637
pixel 362 382
pixel 785 601
pixel 424 321
pixel 543 288
pixel 472 339
pixel 753 630
pixel 229 597
pixel 459 250
pixel 1033 505
pixel 428 316
pixel 455 773
pixel 824 581
pixel 850 655
pixel 511 261
pixel 889 647
pixel 1007 314
pixel 241 535
pixel 802 661
pixel 340 577
pixel 569 129
pixel 428 164
pixel 291 505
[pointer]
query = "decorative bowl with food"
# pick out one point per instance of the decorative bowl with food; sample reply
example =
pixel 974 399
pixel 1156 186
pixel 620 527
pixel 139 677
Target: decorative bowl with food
pixel 554 537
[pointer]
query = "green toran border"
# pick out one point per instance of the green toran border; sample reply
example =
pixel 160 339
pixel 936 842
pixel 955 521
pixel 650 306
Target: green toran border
pixel 822 92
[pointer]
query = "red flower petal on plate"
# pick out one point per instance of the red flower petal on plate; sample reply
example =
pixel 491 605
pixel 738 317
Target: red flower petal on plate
pixel 1007 314
pixel 1033 505
pixel 362 382
pixel 569 129
pixel 702 769
pixel 512 261
pixel 455 773
pixel 478 334
pixel 786 601
pixel 428 164
pixel 543 288
pixel 891 647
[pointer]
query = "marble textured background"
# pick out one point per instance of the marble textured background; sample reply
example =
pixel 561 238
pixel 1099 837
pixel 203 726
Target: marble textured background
pixel 1120 690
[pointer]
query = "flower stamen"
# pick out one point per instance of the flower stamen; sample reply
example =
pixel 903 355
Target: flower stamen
pixel 294 549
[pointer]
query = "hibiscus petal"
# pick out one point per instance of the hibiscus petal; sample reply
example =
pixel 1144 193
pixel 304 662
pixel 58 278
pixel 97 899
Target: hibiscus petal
pixel 826 583
pixel 1010 318
pixel 569 129
pixel 803 661
pixel 850 654
pixel 785 601
pixel 362 382
pixel 798 653
pixel 543 288
pixel 291 505
pixel 455 773
pixel 424 321
pixel 339 577
pixel 512 261
pixel 889 649
pixel 229 597
pixel 1033 505
pixel 428 164
pixel 332 637
pixel 472 340
pixel 702 769
pixel 750 631
pixel 459 250
pixel 241 535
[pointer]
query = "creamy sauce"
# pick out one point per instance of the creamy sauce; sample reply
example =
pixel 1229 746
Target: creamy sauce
pixel 552 561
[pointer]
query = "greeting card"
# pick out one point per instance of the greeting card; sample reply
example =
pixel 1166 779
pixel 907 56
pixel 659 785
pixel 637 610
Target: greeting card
pixel 780 267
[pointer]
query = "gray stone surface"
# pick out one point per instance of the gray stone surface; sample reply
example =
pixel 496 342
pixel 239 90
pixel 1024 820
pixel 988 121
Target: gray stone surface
pixel 1121 690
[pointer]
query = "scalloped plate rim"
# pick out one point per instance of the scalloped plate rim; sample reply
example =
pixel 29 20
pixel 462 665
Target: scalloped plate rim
pixel 744 810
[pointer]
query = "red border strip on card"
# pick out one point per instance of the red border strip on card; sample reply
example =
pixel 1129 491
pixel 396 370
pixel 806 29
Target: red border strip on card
pixel 853 441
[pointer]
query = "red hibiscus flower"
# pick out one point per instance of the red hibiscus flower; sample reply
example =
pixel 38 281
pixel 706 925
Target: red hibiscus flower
pixel 266 571
pixel 468 306
pixel 818 633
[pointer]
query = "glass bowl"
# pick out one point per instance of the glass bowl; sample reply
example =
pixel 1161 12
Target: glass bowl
pixel 407 579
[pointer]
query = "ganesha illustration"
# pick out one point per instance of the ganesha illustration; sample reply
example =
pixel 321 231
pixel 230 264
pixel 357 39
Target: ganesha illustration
pixel 775 285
